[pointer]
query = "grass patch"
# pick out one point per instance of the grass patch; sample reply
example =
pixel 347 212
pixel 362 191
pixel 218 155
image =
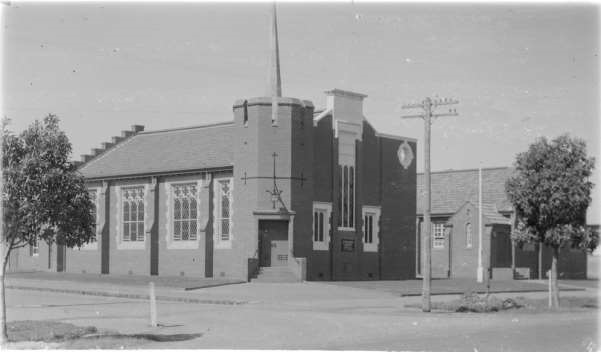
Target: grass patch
pixel 472 302
pixel 45 330
pixel 123 341
pixel 565 303
pixel 102 344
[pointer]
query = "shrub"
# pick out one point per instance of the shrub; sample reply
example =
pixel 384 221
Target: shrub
pixel 472 302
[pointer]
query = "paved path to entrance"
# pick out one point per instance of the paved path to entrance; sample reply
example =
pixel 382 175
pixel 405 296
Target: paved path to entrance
pixel 173 289
pixel 183 282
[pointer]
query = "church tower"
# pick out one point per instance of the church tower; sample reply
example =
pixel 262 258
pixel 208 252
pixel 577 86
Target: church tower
pixel 273 137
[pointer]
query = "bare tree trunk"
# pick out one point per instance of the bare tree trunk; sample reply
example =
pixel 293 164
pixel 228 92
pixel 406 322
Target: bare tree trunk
pixel 554 284
pixel 4 258
pixel 5 248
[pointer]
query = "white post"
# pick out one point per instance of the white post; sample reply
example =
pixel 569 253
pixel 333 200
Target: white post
pixel 480 271
pixel 153 305
pixel 549 273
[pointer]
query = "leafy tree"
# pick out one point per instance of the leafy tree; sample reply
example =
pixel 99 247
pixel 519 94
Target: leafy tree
pixel 550 191
pixel 44 197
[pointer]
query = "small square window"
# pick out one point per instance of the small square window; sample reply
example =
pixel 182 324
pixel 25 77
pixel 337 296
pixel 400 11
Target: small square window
pixel 438 235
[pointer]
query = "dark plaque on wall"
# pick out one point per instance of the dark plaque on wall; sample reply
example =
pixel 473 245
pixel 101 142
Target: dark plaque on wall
pixel 348 245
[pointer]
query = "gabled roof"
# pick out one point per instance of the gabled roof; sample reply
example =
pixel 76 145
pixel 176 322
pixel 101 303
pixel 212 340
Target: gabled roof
pixel 490 213
pixel 179 149
pixel 451 189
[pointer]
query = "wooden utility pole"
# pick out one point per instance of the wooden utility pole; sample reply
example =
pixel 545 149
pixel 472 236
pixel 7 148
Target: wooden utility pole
pixel 480 269
pixel 427 106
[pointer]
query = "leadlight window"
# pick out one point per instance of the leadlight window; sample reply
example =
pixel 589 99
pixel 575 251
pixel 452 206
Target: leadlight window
pixel 133 214
pixel 368 228
pixel 322 213
pixel 437 235
pixel 185 212
pixel 319 225
pixel 245 106
pixel 347 197
pixel 371 227
pixel 93 194
pixel 223 209
pixel 468 235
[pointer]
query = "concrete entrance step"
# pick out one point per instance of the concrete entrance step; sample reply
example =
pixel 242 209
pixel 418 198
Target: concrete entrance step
pixel 275 274
pixel 502 274
pixel 522 273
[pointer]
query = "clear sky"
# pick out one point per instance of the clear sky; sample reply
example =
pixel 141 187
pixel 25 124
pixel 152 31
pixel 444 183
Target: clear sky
pixel 518 71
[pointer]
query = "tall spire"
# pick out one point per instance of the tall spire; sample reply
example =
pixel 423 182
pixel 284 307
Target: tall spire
pixel 275 81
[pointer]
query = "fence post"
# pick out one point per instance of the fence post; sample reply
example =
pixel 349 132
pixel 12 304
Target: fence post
pixel 549 273
pixel 153 305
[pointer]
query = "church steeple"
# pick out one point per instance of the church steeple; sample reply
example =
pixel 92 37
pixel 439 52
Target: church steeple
pixel 275 81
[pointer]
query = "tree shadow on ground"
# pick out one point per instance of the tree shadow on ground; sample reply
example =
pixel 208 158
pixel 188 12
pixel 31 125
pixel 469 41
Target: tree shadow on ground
pixel 149 337
pixel 53 334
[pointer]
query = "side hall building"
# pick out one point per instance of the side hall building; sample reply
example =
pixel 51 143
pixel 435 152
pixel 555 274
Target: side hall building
pixel 455 225
pixel 321 194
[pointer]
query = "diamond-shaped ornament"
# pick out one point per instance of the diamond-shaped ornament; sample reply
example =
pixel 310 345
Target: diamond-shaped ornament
pixel 405 154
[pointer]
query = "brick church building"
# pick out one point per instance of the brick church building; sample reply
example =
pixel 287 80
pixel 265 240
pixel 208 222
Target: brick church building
pixel 316 194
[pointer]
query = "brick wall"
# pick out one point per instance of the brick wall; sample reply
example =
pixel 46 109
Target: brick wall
pixel 464 260
pixel 398 213
pixel 256 140
pixel 182 259
pixel 302 162
pixel 87 259
pixel 325 153
pixel 22 260
pixel 380 181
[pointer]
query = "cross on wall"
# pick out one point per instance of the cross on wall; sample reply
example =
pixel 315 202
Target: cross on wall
pixel 275 192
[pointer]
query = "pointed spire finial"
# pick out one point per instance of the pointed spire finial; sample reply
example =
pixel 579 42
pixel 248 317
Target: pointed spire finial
pixel 275 81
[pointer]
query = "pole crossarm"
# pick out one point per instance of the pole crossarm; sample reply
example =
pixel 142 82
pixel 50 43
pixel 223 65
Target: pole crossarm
pixel 445 114
pixel 413 106
pixel 444 101
pixel 413 116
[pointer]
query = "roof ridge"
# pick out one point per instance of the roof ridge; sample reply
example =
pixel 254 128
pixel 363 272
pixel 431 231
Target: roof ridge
pixel 466 170
pixel 109 151
pixel 215 124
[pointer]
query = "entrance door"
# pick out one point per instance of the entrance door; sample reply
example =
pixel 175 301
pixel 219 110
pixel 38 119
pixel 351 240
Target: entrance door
pixel 500 249
pixel 273 243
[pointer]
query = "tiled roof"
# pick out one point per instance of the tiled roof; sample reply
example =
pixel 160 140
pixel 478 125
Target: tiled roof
pixel 490 212
pixel 179 149
pixel 451 189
